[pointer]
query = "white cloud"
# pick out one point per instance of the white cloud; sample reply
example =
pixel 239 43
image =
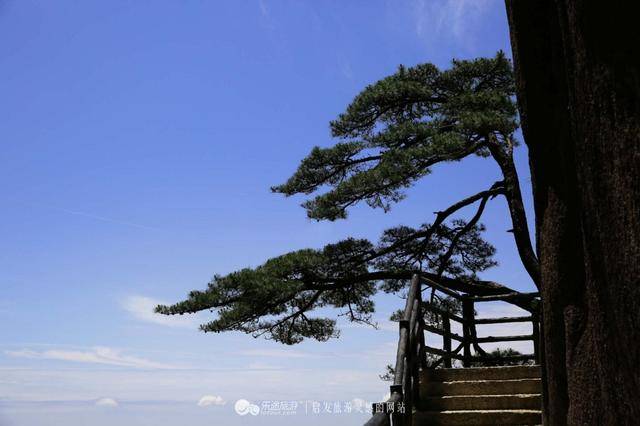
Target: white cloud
pixel 142 308
pixel 346 70
pixel 188 386
pixel 263 8
pixel 106 402
pixel 266 15
pixel 209 400
pixel 457 19
pixel 97 355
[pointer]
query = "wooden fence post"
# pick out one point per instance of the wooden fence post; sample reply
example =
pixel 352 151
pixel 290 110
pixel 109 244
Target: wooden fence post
pixel 468 316
pixel 446 339
pixel 536 336
pixel 396 417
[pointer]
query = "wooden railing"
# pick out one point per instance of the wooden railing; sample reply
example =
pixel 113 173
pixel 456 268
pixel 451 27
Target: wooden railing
pixel 469 338
pixel 411 354
pixel 410 358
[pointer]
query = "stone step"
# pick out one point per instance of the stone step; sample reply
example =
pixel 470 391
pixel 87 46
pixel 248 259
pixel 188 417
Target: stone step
pixel 478 417
pixel 482 402
pixel 481 387
pixel 481 373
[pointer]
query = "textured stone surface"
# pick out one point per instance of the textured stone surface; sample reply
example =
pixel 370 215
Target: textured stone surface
pixel 483 402
pixel 482 373
pixel 480 396
pixel 482 387
pixel 478 417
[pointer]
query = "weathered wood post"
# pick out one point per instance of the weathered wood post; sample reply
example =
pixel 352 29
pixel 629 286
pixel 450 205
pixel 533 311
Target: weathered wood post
pixel 468 316
pixel 415 348
pixel 407 396
pixel 397 418
pixel 446 339
pixel 535 322
pixel 422 353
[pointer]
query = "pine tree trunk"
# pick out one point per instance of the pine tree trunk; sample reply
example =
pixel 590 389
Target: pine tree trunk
pixel 579 92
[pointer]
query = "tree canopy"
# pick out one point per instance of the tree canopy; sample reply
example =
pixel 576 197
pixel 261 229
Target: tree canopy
pixel 397 128
pixel 390 136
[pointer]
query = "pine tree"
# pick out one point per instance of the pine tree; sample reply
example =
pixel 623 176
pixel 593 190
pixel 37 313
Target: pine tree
pixel 390 136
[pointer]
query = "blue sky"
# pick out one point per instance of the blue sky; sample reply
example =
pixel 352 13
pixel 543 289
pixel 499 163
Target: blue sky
pixel 139 141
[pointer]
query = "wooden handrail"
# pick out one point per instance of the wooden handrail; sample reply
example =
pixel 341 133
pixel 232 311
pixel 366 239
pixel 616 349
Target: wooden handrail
pixel 412 350
pixel 441 288
pixel 469 340
pixel 493 339
pixel 503 320
pixel 403 339
pixel 502 297
pixel 406 373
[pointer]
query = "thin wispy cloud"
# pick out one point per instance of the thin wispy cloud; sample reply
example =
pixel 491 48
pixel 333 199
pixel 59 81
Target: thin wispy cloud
pixel 103 218
pixel 257 366
pixel 277 46
pixel 453 19
pixel 263 8
pixel 97 355
pixel 346 70
pixel 160 388
pixel 142 308
pixel 266 15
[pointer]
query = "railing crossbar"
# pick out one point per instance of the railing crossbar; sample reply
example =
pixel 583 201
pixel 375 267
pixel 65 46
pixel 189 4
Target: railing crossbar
pixel 493 339
pixel 502 297
pixel 503 320
pixel 442 289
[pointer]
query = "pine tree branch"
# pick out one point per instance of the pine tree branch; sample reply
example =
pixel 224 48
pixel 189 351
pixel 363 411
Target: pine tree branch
pixel 441 216
pixel 454 241
pixel 339 169
pixel 291 317
pixel 471 287
pixel 345 196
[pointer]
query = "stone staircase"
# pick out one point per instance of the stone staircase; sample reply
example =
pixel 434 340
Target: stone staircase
pixel 480 396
